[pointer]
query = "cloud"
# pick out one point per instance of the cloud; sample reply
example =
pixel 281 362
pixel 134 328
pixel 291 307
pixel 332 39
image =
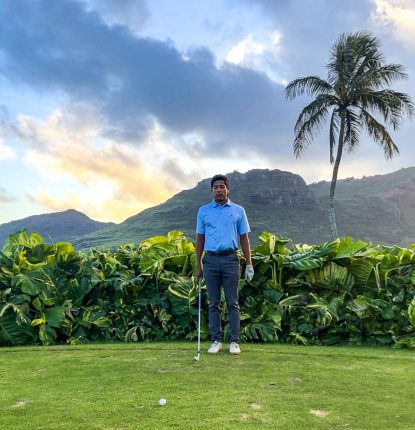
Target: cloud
pixel 133 82
pixel 4 197
pixel 70 200
pixel 128 13
pixel 309 28
pixel 118 180
pixel 109 174
pixel 247 47
pixel 259 54
pixel 399 16
pixel 6 152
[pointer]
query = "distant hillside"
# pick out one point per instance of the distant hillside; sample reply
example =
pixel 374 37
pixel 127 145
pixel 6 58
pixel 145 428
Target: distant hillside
pixel 378 209
pixel 274 201
pixel 60 226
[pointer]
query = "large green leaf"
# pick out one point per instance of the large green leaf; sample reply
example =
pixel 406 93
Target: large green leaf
pixel 348 247
pixel 297 300
pixel 78 289
pixel 324 316
pixel 332 276
pixel 360 306
pixel 20 310
pixel 21 239
pixel 40 252
pixel 361 268
pixel 312 258
pixel 13 332
pixel 411 312
pixel 272 244
pixel 275 315
pixel 54 316
pixel 96 316
pixel 157 252
pixel 64 248
pixel 29 282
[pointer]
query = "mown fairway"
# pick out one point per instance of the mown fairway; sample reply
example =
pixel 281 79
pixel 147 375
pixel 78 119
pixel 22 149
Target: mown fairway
pixel 118 386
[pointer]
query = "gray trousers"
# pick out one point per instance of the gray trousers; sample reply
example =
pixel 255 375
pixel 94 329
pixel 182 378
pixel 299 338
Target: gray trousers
pixel 222 271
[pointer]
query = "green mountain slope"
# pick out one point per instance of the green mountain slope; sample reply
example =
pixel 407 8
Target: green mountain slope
pixel 378 209
pixel 274 201
pixel 59 226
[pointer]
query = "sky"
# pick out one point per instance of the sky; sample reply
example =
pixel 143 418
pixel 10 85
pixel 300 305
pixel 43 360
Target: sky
pixel 113 106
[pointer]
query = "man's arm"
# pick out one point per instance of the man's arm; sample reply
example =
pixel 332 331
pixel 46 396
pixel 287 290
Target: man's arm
pixel 246 248
pixel 200 245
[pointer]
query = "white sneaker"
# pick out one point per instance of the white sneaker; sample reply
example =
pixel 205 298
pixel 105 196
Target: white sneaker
pixel 215 347
pixel 234 348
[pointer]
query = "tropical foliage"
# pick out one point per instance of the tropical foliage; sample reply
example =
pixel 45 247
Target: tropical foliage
pixel 341 292
pixel 355 92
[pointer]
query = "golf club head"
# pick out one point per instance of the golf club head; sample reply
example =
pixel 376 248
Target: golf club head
pixel 197 357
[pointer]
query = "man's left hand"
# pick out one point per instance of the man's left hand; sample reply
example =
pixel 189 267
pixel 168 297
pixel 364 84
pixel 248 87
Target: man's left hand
pixel 249 273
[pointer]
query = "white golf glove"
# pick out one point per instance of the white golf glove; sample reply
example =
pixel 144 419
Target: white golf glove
pixel 249 273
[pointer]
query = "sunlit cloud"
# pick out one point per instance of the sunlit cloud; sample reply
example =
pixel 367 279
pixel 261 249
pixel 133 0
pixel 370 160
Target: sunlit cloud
pixel 240 53
pixel 117 176
pixel 261 55
pixel 68 200
pixel 399 15
pixel 97 208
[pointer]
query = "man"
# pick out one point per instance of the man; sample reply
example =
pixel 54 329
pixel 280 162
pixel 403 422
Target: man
pixel 221 226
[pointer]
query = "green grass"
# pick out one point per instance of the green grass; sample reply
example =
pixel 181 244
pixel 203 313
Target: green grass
pixel 118 386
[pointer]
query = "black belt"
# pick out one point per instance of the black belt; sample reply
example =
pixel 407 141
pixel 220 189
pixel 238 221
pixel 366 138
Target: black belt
pixel 224 252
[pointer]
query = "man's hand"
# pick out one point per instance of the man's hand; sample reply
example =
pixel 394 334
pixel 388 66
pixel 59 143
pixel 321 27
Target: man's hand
pixel 249 273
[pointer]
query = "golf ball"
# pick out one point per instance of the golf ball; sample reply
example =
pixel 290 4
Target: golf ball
pixel 162 402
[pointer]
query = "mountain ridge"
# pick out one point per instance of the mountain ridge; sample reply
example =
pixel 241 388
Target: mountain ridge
pixel 58 226
pixel 378 209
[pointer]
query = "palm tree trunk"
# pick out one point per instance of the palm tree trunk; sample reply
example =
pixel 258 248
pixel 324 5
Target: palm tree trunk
pixel 332 215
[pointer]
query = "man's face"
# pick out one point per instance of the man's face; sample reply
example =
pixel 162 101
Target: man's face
pixel 220 192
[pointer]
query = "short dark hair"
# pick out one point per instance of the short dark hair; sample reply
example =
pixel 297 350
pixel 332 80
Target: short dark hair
pixel 220 178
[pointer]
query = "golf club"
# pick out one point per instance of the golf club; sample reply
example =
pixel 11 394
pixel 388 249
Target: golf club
pixel 197 356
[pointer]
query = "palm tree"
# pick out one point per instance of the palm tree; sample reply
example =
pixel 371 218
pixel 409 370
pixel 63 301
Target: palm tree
pixel 356 89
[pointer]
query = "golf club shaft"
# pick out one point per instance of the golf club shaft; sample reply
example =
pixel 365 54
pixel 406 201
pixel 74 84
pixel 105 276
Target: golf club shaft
pixel 199 316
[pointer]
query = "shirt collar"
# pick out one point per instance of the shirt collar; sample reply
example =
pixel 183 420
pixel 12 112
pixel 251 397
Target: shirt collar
pixel 214 204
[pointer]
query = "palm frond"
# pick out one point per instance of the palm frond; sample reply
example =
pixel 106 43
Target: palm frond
pixel 310 85
pixel 314 107
pixel 308 129
pixel 380 76
pixel 393 106
pixel 367 54
pixel 352 130
pixel 310 121
pixel 348 55
pixel 379 134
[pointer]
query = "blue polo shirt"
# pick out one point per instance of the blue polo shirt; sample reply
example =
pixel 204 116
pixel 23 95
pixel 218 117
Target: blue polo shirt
pixel 222 225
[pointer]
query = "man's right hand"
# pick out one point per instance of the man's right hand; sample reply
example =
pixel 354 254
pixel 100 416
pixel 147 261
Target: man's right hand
pixel 249 272
pixel 199 271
